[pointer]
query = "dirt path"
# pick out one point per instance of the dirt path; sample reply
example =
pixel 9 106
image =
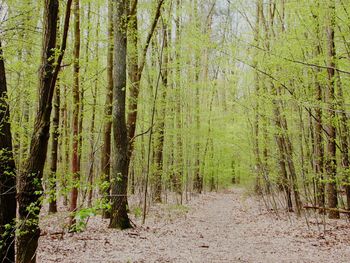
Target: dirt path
pixel 223 227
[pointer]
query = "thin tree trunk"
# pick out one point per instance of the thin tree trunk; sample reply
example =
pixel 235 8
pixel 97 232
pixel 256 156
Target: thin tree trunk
pixel 178 108
pixel 54 152
pixel 136 69
pixel 331 164
pixel 161 121
pixel 92 127
pixel 107 128
pixel 76 105
pixel 66 124
pixel 258 165
pixel 318 144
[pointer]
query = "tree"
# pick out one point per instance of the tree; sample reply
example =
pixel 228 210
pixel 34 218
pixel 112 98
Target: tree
pixel 158 155
pixel 29 184
pixel 54 152
pixel 119 177
pixel 318 148
pixel 107 127
pixel 7 174
pixel 331 163
pixel 93 119
pixel 76 115
pixel 136 67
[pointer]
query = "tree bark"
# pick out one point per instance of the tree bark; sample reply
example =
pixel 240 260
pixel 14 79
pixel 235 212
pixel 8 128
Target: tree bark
pixel 178 172
pixel 107 126
pixel 54 152
pixel 136 69
pixel 258 164
pixel 7 174
pixel 158 155
pixel 119 200
pixel 331 163
pixel 344 140
pixel 318 143
pixel 29 183
pixel 92 127
pixel 66 127
pixel 76 110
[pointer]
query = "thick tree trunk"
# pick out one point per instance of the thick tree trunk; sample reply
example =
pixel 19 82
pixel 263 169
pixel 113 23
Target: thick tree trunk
pixel 119 199
pixel 54 152
pixel 7 174
pixel 29 185
pixel 76 105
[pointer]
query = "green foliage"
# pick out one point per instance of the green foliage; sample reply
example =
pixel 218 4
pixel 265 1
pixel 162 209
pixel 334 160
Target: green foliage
pixel 137 211
pixel 81 218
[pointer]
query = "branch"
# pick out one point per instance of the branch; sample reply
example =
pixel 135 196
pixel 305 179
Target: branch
pixel 133 8
pixel 290 92
pixel 63 44
pixel 143 133
pixel 149 36
pixel 316 65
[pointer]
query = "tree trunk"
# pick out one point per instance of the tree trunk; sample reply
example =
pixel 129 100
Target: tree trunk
pixel 178 173
pixel 107 126
pixel 331 164
pixel 7 174
pixel 76 105
pixel 92 127
pixel 119 199
pixel 134 74
pixel 158 155
pixel 258 164
pixel 318 144
pixel 344 140
pixel 29 185
pixel 54 152
pixel 136 69
pixel 66 127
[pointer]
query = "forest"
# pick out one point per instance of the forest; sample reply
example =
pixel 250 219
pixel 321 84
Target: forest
pixel 174 131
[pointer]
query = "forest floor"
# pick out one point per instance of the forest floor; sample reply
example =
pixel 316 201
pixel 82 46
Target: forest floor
pixel 229 226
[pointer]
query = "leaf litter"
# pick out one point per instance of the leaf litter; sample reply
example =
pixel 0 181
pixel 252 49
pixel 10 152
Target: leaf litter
pixel 228 226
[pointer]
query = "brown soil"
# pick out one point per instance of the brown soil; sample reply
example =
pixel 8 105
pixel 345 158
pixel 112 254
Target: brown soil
pixel 215 227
